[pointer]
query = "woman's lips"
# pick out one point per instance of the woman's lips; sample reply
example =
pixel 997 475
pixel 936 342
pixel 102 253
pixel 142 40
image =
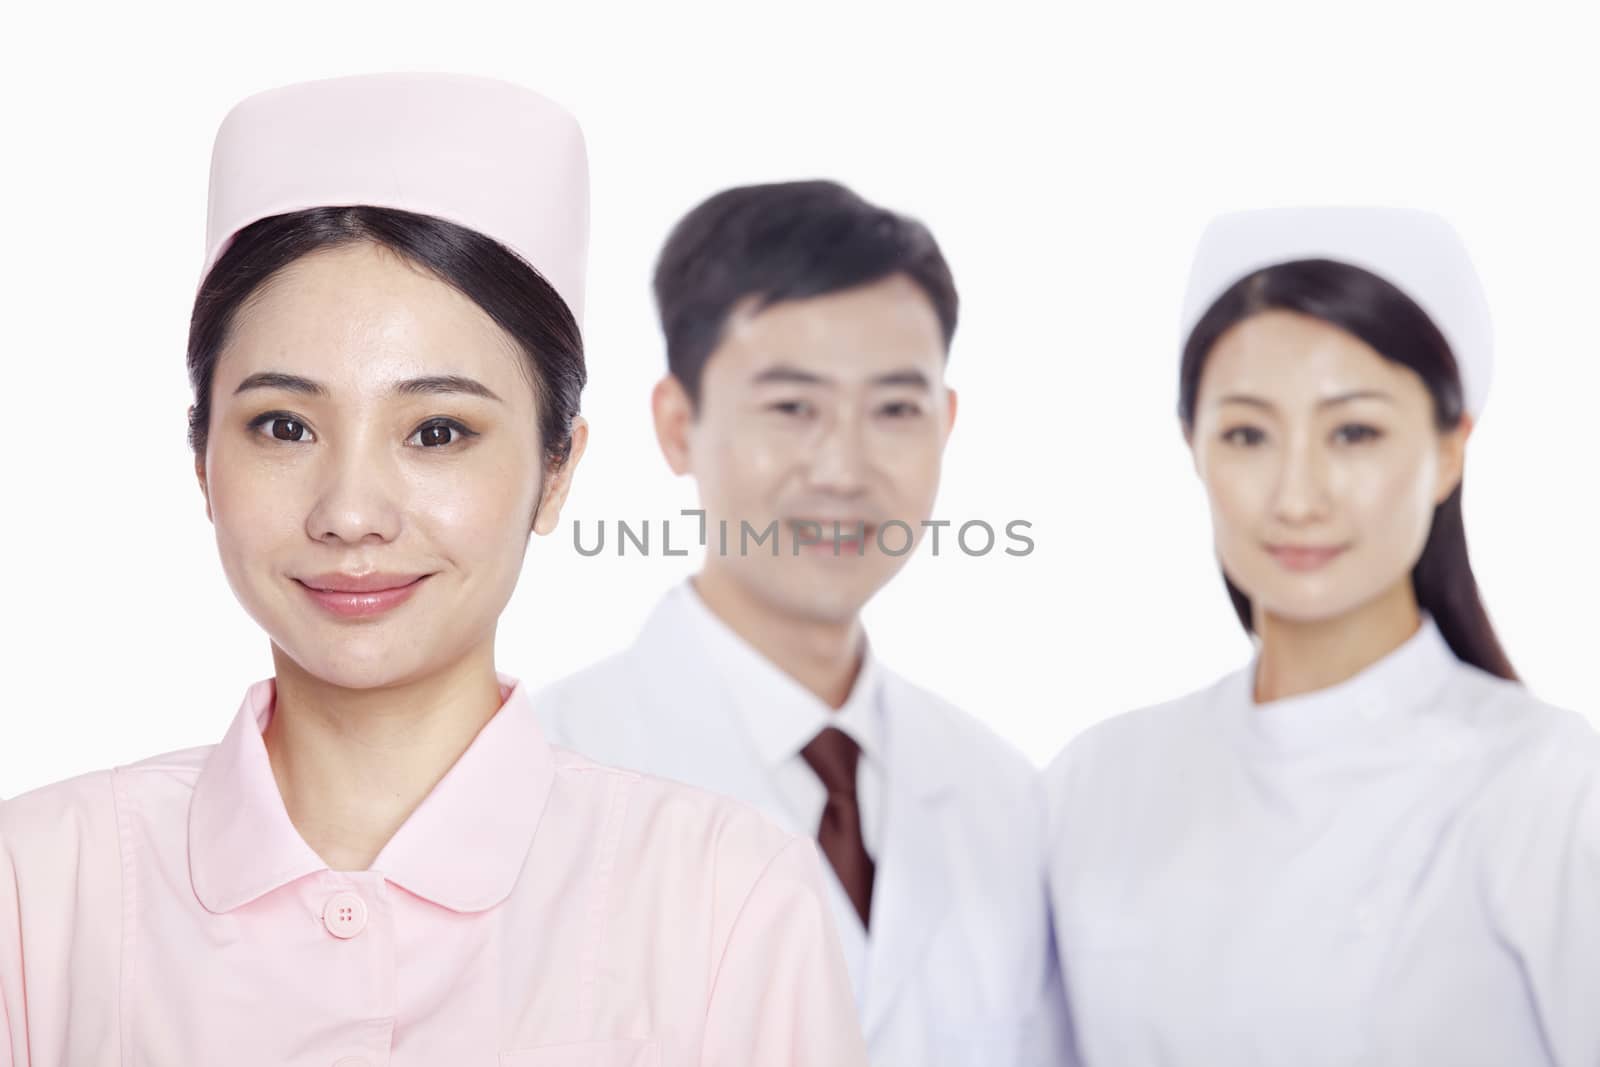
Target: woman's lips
pixel 1304 558
pixel 359 598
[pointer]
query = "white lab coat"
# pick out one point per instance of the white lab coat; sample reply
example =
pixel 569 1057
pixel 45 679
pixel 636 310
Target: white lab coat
pixel 1400 870
pixel 958 968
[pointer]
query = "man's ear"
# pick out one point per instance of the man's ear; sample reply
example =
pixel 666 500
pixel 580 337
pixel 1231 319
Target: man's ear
pixel 674 415
pixel 200 474
pixel 559 483
pixel 951 403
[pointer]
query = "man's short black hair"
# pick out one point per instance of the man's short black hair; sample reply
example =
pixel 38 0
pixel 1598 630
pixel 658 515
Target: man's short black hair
pixel 783 241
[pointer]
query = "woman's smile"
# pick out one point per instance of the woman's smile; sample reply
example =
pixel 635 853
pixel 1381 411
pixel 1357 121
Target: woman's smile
pixel 351 597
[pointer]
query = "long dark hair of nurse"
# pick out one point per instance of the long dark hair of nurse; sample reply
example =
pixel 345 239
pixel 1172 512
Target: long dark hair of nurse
pixel 509 290
pixel 1369 308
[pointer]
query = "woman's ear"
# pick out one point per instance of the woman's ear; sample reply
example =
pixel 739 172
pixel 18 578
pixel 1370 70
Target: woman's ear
pixel 559 483
pixel 1188 440
pixel 674 414
pixel 1452 458
pixel 200 474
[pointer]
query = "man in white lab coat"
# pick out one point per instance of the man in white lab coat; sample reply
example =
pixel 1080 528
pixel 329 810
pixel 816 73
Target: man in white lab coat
pixel 807 332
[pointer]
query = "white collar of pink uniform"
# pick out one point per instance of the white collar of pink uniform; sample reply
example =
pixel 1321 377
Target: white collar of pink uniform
pixel 463 848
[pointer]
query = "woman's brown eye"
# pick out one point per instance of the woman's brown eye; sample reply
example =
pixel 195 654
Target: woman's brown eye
pixel 287 429
pixel 441 433
pixel 1248 436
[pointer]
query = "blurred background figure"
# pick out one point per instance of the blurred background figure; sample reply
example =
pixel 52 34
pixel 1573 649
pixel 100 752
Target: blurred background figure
pixel 807 333
pixel 1371 845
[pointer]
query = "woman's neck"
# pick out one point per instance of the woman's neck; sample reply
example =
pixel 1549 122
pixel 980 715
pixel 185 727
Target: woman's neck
pixel 352 764
pixel 822 656
pixel 1302 657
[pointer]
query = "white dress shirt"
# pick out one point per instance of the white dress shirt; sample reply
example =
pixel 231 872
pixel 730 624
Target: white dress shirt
pixel 958 969
pixel 782 716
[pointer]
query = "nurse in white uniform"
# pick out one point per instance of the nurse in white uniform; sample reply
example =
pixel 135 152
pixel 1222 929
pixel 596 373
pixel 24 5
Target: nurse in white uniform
pixel 1371 845
pixel 807 333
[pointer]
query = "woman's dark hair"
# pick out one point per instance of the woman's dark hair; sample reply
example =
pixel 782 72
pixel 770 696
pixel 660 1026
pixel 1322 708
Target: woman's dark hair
pixel 1391 323
pixel 505 286
pixel 783 241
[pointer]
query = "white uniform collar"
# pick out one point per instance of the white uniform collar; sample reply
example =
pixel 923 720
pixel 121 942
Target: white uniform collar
pixel 780 713
pixel 1401 681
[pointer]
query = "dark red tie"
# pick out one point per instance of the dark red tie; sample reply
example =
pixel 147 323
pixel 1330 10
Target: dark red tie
pixel 833 755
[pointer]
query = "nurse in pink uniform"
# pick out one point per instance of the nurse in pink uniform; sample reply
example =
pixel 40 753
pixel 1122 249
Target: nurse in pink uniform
pixel 383 862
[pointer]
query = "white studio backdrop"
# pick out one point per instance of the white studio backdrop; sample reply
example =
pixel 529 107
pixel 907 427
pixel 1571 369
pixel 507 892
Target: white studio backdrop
pixel 1066 156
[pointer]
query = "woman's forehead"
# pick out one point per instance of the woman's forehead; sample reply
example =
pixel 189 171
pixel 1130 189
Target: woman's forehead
pixel 1292 354
pixel 360 316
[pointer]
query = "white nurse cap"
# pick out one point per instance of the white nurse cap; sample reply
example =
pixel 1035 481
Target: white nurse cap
pixel 488 155
pixel 1417 252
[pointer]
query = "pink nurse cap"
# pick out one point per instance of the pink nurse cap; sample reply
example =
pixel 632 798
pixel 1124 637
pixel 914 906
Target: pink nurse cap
pixel 484 154
pixel 1418 252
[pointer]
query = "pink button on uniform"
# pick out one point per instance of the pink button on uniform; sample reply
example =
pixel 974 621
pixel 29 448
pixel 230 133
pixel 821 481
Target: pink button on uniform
pixel 345 916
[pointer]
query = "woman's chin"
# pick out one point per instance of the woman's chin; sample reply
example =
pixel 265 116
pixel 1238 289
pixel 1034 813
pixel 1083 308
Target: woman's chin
pixel 1309 606
pixel 356 666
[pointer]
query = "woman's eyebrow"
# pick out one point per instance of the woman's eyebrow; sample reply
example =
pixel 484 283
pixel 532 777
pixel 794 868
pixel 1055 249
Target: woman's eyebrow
pixel 1244 398
pixel 277 380
pixel 445 383
pixel 433 385
pixel 1359 394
